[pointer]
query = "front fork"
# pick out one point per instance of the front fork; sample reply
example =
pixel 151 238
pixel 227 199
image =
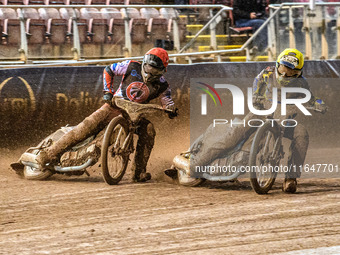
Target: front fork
pixel 128 143
pixel 278 152
pixel 273 157
pixel 126 147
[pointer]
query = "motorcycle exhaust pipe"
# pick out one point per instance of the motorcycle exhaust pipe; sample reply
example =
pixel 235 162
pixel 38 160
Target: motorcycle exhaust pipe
pixel 221 178
pixel 74 168
pixel 58 168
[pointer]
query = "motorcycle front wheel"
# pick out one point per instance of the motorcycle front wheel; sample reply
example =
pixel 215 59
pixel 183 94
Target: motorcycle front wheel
pixel 114 157
pixel 263 158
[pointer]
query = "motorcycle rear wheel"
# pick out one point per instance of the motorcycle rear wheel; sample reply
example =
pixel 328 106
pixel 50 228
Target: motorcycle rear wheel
pixel 32 173
pixel 185 180
pixel 260 155
pixel 114 159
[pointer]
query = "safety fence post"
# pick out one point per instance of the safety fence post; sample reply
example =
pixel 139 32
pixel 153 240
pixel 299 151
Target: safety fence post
pixel 324 43
pixel 23 44
pixel 76 40
pixel 291 29
pixel 307 29
pixel 213 42
pixel 176 35
pixel 127 33
pixel 272 45
pixel 338 34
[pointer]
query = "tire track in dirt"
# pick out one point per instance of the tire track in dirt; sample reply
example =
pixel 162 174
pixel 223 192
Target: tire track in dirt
pixel 201 220
pixel 82 215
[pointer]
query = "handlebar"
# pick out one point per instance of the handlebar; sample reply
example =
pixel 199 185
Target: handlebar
pixel 259 100
pixel 134 110
pixel 313 109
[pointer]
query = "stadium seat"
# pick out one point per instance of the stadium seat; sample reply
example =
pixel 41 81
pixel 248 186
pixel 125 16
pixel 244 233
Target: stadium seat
pixel 224 2
pixel 236 30
pixel 192 2
pixel 116 2
pixel 72 2
pixel 115 23
pixel 134 2
pixel 157 27
pixel 96 25
pixel 35 26
pixel 106 2
pixel 67 13
pixel 12 2
pixel 171 14
pixel 33 2
pixel 137 24
pixel 10 26
pixel 56 27
pixel 54 2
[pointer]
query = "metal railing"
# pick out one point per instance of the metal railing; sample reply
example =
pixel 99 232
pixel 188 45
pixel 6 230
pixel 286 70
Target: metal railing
pixel 127 36
pixel 311 27
pixel 271 22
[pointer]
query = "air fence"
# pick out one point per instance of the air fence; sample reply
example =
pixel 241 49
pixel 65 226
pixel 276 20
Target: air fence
pixel 36 101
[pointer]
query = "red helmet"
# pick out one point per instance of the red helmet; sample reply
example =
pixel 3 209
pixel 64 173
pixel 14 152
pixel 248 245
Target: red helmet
pixel 157 57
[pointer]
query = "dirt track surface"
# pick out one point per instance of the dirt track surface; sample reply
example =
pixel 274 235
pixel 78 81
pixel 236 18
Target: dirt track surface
pixel 83 215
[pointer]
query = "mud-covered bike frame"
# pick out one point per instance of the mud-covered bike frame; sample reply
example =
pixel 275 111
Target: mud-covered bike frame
pixel 266 152
pixel 115 147
pixel 266 149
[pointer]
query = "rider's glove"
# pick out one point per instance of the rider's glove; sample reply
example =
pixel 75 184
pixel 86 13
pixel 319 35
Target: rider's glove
pixel 170 107
pixel 173 113
pixel 320 106
pixel 107 98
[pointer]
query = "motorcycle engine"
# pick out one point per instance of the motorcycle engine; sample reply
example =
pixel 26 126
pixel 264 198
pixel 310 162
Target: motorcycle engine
pixel 80 156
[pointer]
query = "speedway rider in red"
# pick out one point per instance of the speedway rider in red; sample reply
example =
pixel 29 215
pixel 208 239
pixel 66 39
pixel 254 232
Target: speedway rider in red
pixel 141 82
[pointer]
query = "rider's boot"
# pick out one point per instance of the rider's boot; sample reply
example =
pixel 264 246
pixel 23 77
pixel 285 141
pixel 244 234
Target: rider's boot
pixel 89 126
pixel 143 177
pixel 289 185
pixel 297 155
pixel 146 139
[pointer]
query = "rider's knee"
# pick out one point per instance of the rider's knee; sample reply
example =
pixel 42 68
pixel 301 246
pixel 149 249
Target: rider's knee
pixel 297 133
pixel 301 133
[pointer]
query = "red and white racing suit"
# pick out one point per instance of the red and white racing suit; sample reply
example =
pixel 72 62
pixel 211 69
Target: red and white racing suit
pixel 132 86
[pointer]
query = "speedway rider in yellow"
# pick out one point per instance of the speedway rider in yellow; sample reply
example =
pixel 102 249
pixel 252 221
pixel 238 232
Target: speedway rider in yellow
pixel 286 73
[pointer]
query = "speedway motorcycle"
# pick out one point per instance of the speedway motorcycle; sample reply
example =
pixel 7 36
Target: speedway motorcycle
pixel 261 152
pixel 112 145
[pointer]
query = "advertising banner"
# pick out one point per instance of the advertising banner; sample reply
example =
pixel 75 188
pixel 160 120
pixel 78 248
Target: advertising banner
pixel 37 101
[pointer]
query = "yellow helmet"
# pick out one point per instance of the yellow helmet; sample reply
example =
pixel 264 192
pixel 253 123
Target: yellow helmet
pixel 292 58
